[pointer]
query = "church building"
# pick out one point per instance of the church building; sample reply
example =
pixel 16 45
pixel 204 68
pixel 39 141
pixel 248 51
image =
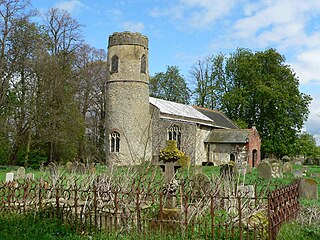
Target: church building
pixel 138 125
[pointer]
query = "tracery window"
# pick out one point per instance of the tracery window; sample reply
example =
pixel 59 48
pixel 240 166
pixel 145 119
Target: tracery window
pixel 114 64
pixel 174 133
pixel 143 68
pixel 114 142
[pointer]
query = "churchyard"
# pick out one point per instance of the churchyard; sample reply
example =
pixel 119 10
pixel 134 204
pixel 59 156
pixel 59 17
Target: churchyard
pixel 199 202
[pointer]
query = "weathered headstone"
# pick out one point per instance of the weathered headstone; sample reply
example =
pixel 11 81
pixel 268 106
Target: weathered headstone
pixel 264 170
pixel 287 167
pixel 74 167
pixel 69 167
pixel 81 168
pixel 298 163
pixel 249 168
pixel 315 175
pixel 92 168
pixel 21 173
pixel 30 176
pixel 9 176
pixel 276 170
pixel 297 173
pixel 227 170
pixel 308 188
pixel 53 170
pixel 200 184
pixel 246 191
pixel 42 168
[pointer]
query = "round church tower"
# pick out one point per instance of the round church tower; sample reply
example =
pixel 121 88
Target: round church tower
pixel 128 116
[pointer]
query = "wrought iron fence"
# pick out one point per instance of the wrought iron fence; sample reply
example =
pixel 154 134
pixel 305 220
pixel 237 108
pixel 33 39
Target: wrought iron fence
pixel 208 211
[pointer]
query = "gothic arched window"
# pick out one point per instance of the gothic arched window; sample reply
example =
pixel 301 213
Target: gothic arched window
pixel 174 133
pixel 114 142
pixel 143 68
pixel 114 64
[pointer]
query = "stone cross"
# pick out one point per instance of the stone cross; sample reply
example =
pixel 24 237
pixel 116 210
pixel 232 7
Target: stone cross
pixel 9 176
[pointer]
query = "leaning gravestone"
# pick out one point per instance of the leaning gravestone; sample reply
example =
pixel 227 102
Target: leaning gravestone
pixel 69 167
pixel 308 188
pixel 9 176
pixel 21 173
pixel 200 184
pixel 30 176
pixel 287 167
pixel 264 170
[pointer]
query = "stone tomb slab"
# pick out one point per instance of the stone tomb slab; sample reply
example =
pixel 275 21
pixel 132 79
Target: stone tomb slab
pixel 308 188
pixel 264 170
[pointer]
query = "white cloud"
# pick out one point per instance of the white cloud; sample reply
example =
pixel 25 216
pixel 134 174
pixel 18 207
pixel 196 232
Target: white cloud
pixel 313 124
pixel 70 5
pixel 195 13
pixel 133 26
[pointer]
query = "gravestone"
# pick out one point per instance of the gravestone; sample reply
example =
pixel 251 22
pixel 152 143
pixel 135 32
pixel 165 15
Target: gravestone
pixel 297 173
pixel 287 167
pixel 74 167
pixel 276 170
pixel 42 168
pixel 264 170
pixel 30 176
pixel 53 170
pixel 249 168
pixel 9 176
pixel 246 191
pixel 81 168
pixel 315 175
pixel 298 163
pixel 227 170
pixel 92 168
pixel 21 173
pixel 69 167
pixel 200 184
pixel 308 188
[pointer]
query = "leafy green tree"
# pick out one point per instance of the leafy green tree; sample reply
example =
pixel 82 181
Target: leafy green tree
pixel 170 85
pixel 264 92
pixel 255 89
pixel 306 146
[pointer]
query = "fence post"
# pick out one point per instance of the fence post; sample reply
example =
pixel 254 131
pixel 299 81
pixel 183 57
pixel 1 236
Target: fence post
pixel 138 210
pixel 57 201
pixel 161 213
pixel 75 206
pixel 95 205
pixel 269 217
pixel 212 217
pixel 240 216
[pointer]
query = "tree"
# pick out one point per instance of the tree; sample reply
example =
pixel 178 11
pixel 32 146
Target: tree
pixel 208 77
pixel 263 91
pixel 255 89
pixel 306 146
pixel 170 85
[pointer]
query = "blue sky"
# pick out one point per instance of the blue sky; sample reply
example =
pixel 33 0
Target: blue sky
pixel 182 31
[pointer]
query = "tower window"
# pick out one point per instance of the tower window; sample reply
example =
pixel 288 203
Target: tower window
pixel 174 133
pixel 114 142
pixel 114 64
pixel 143 64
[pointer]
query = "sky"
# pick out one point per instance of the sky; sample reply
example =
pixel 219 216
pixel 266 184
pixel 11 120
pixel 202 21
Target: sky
pixel 182 31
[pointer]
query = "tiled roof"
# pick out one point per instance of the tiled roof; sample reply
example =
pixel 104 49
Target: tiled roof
pixel 228 136
pixel 219 118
